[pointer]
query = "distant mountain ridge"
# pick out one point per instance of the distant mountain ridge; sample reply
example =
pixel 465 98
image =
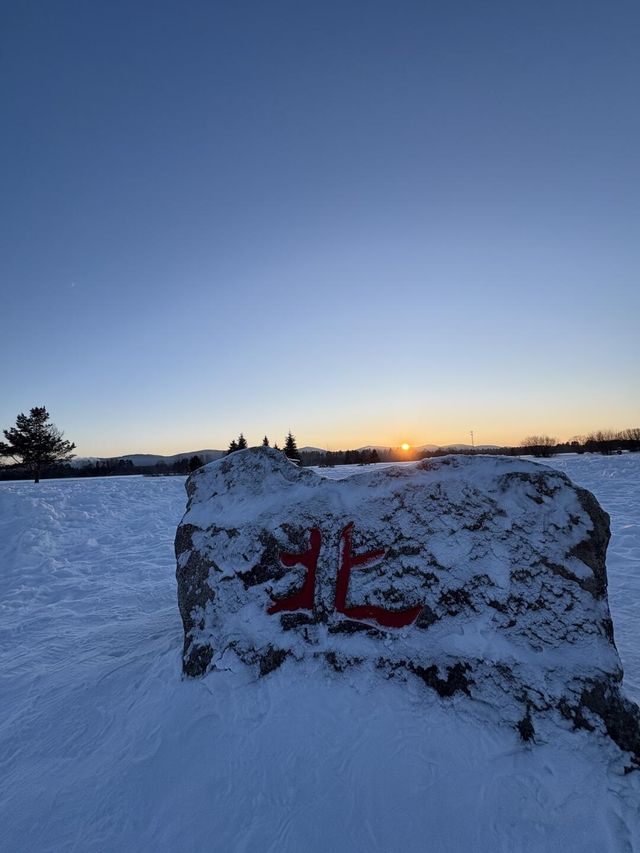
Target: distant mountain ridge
pixel 430 447
pixel 142 460
pixel 398 447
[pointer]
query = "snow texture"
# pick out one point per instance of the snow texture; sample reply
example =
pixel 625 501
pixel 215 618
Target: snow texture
pixel 103 747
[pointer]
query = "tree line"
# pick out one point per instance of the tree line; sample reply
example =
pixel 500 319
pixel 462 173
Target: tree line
pixel 116 467
pixel 38 449
pixel 605 442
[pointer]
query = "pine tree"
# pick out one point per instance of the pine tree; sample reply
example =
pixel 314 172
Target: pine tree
pixel 232 447
pixel 242 442
pixel 194 463
pixel 265 442
pixel 35 443
pixel 290 447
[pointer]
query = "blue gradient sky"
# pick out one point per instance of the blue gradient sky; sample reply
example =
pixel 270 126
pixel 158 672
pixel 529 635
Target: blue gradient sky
pixel 367 222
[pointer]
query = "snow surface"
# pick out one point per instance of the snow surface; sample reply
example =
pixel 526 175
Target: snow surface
pixel 104 748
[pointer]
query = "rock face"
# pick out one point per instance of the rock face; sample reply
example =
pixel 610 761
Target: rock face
pixel 483 577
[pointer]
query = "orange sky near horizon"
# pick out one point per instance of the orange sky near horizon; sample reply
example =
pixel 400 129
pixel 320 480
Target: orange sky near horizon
pixel 507 432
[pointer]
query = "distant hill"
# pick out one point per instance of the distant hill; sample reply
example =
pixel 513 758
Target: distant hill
pixel 148 459
pixel 420 447
pixel 152 459
pixel 470 446
pixel 143 460
pixel 390 447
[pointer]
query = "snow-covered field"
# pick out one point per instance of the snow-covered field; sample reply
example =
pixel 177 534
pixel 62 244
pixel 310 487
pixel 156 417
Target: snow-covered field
pixel 104 748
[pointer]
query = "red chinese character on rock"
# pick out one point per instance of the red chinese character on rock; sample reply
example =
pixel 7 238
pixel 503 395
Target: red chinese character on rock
pixel 303 599
pixel 348 561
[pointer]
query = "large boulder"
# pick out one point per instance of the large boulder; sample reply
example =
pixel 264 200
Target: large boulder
pixel 483 577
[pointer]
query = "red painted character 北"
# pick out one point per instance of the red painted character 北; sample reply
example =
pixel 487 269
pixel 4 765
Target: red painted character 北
pixel 303 599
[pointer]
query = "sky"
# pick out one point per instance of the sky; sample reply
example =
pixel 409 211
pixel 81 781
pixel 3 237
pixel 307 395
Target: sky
pixel 367 222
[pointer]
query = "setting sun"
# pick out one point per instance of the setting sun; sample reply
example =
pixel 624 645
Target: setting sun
pixel 405 446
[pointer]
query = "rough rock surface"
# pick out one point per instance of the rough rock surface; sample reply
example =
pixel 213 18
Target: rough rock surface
pixel 484 577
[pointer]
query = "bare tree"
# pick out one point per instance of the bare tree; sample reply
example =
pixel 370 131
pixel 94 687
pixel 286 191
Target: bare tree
pixel 540 445
pixel 602 441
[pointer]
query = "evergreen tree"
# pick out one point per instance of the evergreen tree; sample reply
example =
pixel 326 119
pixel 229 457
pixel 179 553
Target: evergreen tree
pixel 35 443
pixel 290 447
pixel 242 442
pixel 232 447
pixel 265 442
pixel 194 463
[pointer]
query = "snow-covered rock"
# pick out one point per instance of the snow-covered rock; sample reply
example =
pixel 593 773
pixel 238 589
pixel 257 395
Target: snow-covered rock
pixel 483 577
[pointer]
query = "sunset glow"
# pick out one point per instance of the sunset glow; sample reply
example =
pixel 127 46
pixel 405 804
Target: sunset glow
pixel 406 446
